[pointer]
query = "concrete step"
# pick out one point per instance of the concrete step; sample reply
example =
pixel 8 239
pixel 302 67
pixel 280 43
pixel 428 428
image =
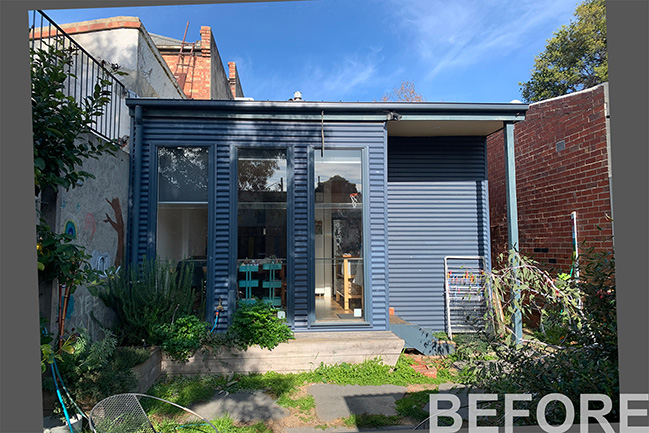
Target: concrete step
pixel 421 339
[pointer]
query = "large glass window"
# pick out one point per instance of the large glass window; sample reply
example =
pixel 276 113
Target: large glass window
pixel 183 174
pixel 261 222
pixel 339 268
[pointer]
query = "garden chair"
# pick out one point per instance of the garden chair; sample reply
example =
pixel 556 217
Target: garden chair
pixel 124 413
pixel 424 425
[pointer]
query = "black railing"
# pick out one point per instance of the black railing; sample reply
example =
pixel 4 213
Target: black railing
pixel 85 72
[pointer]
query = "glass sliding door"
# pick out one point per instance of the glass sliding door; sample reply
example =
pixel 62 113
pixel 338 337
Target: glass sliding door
pixel 181 237
pixel 339 266
pixel 261 225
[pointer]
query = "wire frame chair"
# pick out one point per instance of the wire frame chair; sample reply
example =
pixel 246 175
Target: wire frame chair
pixel 124 413
pixel 423 425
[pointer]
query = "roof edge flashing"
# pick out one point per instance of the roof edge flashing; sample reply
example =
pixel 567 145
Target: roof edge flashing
pixel 334 110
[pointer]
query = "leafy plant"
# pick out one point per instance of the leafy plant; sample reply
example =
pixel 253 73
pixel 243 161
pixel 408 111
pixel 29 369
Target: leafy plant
pixel 374 372
pixel 60 145
pixel 256 323
pixel 50 354
pixel 536 291
pixel 587 362
pixel 181 339
pixel 146 297
pixel 59 121
pixel 95 370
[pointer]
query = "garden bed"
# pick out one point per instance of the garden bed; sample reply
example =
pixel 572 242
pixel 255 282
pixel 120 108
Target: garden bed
pixel 305 353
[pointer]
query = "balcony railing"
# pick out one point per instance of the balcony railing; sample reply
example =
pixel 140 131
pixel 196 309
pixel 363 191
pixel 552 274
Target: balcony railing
pixel 85 72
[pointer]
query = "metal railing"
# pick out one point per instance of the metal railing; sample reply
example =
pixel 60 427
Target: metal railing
pixel 84 73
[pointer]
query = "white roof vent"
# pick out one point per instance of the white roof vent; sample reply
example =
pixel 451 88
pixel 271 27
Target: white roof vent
pixel 297 96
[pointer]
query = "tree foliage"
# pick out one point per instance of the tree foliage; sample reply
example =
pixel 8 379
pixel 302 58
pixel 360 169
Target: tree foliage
pixel 58 121
pixel 575 58
pixel 404 93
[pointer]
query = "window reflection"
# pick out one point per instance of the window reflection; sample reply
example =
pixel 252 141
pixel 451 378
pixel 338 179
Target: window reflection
pixel 261 219
pixel 339 285
pixel 181 229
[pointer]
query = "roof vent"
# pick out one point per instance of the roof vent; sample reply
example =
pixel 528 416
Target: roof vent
pixel 297 96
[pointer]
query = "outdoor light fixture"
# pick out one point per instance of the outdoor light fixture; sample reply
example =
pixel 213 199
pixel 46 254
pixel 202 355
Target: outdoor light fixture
pixel 391 115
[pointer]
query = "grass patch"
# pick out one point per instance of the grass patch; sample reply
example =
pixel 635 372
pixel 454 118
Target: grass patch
pixel 412 405
pixel 224 425
pixel 303 404
pixel 189 390
pixel 374 372
pixel 183 391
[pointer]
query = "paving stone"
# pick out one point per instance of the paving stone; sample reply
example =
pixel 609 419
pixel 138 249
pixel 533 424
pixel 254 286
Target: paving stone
pixel 241 407
pixel 340 401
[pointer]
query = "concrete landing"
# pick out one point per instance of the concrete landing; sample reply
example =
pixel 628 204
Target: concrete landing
pixel 341 401
pixel 242 407
pixel 305 353
pixel 422 339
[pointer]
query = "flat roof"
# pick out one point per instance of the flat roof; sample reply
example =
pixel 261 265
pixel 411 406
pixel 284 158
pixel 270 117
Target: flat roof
pixel 403 118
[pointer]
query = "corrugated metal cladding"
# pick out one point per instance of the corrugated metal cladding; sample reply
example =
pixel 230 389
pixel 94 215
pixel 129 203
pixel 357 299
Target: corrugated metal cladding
pixel 437 207
pixel 221 135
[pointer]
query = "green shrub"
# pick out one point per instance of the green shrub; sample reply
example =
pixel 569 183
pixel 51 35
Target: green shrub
pixel 374 372
pixel 96 370
pixel 181 339
pixel 145 297
pixel 256 323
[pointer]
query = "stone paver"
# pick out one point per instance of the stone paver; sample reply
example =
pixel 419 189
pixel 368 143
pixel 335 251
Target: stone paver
pixel 340 401
pixel 241 407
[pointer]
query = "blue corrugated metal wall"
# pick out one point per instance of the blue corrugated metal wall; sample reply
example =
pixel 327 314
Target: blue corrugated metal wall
pixel 437 207
pixel 221 136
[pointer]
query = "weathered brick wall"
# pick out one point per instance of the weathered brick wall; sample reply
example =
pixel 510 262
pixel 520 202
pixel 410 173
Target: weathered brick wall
pixel 205 76
pixel 561 167
pixel 233 78
pixel 197 66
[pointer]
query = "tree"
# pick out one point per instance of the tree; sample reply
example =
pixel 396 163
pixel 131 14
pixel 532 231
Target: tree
pixel 59 125
pixel 405 93
pixel 575 58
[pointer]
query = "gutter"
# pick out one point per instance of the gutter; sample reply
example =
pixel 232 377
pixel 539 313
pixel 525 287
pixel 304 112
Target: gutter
pixel 368 111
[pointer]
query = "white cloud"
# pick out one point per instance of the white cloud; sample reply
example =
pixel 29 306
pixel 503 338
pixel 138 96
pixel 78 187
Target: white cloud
pixel 319 79
pixel 461 33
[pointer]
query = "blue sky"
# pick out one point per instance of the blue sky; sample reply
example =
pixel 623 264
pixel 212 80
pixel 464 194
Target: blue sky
pixel 337 50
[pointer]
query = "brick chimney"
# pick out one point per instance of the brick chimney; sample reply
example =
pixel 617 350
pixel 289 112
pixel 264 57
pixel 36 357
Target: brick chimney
pixel 235 84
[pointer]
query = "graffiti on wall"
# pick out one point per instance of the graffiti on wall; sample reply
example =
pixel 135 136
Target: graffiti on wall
pixel 70 229
pixel 118 225
pixel 89 225
pixel 100 261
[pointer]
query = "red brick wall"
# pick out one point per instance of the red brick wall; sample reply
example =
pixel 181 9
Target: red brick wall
pixel 551 183
pixel 198 81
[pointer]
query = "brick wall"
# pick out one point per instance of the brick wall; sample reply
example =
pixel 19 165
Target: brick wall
pixel 561 167
pixel 204 75
pixel 196 67
pixel 233 79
